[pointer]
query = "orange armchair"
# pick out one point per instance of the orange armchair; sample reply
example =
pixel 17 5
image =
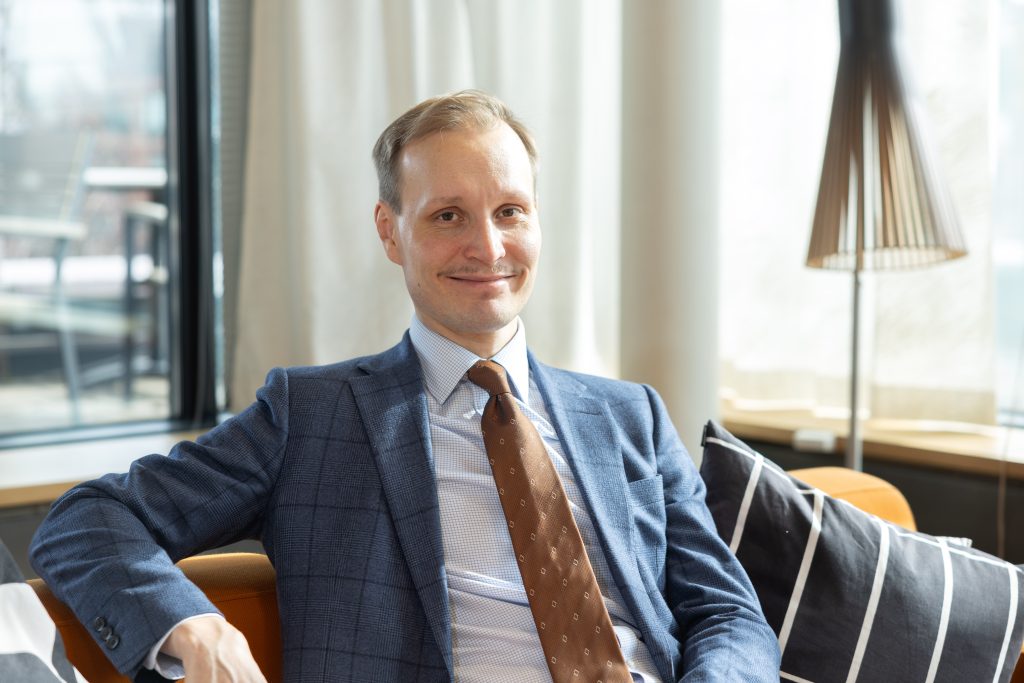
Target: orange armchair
pixel 241 585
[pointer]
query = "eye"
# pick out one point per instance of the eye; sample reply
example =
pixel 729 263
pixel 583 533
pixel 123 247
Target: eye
pixel 447 216
pixel 510 212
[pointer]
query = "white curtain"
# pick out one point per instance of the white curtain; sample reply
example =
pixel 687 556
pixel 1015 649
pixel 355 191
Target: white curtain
pixel 328 77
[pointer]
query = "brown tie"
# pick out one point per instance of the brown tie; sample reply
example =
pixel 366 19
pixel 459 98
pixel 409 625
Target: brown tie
pixel 572 622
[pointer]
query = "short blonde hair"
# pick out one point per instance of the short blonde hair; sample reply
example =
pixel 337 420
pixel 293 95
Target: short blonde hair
pixel 466 109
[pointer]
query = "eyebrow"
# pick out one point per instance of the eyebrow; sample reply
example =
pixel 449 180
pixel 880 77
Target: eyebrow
pixel 454 199
pixel 446 200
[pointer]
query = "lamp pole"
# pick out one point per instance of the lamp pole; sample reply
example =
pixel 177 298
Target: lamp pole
pixel 854 458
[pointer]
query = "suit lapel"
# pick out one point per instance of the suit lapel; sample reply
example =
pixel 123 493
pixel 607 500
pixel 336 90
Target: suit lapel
pixel 586 429
pixel 393 406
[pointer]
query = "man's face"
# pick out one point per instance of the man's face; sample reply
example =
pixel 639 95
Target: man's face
pixel 468 237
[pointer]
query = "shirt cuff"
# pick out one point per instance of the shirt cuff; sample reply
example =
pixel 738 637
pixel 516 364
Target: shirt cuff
pixel 167 666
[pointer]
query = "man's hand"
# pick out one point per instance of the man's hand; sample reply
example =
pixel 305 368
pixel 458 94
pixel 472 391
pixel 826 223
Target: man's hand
pixel 213 651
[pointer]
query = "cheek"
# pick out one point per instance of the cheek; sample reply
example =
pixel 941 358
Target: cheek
pixel 528 247
pixel 429 257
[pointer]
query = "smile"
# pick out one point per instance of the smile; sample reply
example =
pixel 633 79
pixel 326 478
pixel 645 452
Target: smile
pixel 489 277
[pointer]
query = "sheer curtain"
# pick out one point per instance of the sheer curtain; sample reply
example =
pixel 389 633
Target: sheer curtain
pixel 314 285
pixel 929 343
pixel 327 77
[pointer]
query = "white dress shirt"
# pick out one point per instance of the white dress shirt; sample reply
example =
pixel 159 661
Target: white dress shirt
pixel 493 633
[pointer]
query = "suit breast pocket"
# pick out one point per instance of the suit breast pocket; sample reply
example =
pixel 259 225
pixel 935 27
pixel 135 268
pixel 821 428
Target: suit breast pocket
pixel 647 504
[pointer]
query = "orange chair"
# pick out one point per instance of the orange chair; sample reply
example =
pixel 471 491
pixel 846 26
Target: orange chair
pixel 241 585
pixel 866 491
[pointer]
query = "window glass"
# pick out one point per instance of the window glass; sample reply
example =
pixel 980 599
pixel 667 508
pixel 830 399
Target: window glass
pixel 84 245
pixel 1008 231
pixel 941 344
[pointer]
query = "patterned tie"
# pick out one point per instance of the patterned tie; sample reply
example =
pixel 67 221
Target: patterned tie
pixel 568 610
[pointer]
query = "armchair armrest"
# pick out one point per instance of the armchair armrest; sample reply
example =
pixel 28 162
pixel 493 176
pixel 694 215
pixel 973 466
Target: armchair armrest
pixel 241 585
pixel 865 491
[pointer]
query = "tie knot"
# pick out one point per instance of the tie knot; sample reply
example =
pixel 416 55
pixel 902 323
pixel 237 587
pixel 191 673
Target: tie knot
pixel 489 376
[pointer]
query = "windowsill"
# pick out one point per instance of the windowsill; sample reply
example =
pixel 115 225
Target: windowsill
pixel 976 449
pixel 40 474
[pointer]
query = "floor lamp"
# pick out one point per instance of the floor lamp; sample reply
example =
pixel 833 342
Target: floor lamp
pixel 880 203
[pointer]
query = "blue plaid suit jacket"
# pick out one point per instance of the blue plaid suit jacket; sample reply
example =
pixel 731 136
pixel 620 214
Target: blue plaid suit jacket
pixel 331 469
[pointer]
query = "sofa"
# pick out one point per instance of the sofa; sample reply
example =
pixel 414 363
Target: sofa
pixel 242 584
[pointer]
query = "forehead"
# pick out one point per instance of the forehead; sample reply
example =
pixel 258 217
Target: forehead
pixel 480 157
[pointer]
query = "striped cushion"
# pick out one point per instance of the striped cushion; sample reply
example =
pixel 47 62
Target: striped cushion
pixel 852 597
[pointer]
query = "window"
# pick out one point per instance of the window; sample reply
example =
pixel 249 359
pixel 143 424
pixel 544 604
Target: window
pixel 941 343
pixel 105 249
pixel 1008 219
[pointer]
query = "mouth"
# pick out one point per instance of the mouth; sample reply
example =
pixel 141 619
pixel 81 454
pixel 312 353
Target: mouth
pixel 498 273
pixel 483 284
pixel 482 277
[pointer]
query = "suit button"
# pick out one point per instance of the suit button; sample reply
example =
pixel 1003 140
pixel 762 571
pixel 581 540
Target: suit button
pixel 105 632
pixel 98 623
pixel 113 642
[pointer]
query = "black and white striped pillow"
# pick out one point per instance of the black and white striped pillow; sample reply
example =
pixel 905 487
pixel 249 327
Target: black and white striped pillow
pixel 852 597
pixel 31 650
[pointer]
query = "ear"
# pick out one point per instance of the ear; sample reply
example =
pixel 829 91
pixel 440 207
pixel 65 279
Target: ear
pixel 387 229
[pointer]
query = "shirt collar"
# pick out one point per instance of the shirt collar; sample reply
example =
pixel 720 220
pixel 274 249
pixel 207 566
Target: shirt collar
pixel 445 363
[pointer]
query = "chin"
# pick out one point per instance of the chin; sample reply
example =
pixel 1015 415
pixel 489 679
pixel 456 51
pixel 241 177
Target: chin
pixel 478 326
pixel 484 322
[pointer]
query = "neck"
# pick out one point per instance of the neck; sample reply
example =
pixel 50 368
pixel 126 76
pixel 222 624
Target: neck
pixel 484 344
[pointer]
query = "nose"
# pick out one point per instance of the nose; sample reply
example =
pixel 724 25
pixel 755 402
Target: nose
pixel 486 243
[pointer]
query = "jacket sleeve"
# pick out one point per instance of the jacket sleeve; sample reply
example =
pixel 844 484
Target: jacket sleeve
pixel 107 548
pixel 723 633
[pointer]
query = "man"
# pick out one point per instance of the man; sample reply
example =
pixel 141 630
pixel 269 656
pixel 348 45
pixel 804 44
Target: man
pixel 378 495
